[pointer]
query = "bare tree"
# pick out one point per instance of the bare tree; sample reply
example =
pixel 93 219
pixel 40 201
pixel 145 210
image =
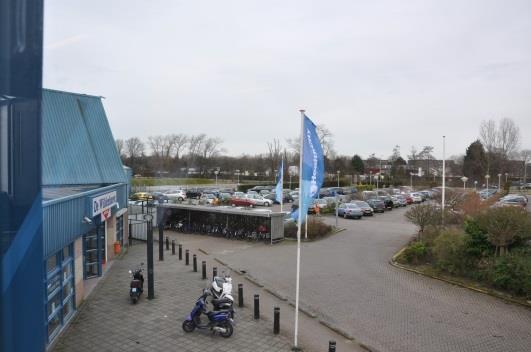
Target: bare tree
pixel 488 135
pixel 274 153
pixel 508 137
pixel 414 155
pixel 396 154
pixel 210 147
pixel 500 141
pixel 120 147
pixel 195 144
pixel 325 138
pixel 156 144
pixel 134 148
pixel 179 142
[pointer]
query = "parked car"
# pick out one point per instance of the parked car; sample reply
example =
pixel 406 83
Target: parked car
pixel 242 202
pixel 142 196
pixel 365 207
pixel 416 197
pixel 193 193
pixel 257 189
pixel 399 200
pixel 388 202
pixel 238 195
pixel 349 210
pixel 259 200
pixel 208 198
pixel 176 195
pixel 160 197
pixel 377 205
pixel 408 199
pixel 513 200
pixel 225 196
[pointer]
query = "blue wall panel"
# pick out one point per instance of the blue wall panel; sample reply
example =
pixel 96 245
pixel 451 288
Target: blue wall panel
pixel 63 217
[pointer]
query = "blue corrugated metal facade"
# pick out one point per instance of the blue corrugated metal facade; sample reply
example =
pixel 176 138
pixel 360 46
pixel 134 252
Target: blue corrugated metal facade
pixel 78 145
pixel 63 217
pixel 78 149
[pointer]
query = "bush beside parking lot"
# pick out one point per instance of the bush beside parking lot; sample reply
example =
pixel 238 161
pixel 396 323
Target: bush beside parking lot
pixel 490 247
pixel 316 229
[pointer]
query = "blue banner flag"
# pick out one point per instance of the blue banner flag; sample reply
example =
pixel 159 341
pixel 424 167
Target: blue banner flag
pixel 280 178
pixel 312 166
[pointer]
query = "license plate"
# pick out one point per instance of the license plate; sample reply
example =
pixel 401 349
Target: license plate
pixel 133 290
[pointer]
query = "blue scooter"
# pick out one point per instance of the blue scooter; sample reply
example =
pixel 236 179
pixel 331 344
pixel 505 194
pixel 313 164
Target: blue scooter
pixel 218 321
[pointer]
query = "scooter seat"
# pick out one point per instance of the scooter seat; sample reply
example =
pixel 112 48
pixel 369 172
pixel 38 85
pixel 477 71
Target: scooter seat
pixel 219 301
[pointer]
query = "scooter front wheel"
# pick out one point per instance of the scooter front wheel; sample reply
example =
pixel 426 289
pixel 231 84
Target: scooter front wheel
pixel 188 326
pixel 228 329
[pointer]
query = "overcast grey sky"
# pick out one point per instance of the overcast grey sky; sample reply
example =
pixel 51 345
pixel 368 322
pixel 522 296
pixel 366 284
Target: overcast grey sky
pixel 376 73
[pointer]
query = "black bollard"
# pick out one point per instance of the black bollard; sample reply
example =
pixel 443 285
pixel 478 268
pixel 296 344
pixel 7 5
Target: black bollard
pixel 161 237
pixel 130 235
pixel 257 306
pixel 151 279
pixel 167 243
pixel 180 252
pixel 214 272
pixel 194 261
pixel 186 257
pixel 331 346
pixel 276 320
pixel 172 247
pixel 240 295
pixel 203 268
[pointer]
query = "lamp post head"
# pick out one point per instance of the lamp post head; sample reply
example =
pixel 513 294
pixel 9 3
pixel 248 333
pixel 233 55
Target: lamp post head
pixel 464 178
pixel 487 176
pixel 499 175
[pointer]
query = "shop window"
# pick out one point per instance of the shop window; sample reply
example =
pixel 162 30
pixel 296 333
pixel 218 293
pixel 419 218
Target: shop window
pixel 53 326
pixel 92 254
pixel 51 263
pixel 60 290
pixel 120 230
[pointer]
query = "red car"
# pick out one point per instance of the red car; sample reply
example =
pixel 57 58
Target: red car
pixel 242 202
pixel 408 198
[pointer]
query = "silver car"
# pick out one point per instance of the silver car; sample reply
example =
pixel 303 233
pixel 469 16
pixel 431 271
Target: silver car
pixel 349 210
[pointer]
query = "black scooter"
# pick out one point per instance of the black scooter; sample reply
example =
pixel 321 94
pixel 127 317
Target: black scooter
pixel 137 284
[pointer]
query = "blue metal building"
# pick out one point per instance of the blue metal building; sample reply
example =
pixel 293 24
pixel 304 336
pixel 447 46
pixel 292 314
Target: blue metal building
pixel 85 191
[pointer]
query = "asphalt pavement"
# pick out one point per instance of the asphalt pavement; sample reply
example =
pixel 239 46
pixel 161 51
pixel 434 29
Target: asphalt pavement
pixel 347 280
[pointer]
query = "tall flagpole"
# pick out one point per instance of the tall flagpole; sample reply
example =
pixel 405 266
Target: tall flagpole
pixel 295 343
pixel 281 184
pixel 443 177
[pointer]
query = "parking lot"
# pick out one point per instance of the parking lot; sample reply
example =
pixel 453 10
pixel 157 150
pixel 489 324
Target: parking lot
pixel 346 280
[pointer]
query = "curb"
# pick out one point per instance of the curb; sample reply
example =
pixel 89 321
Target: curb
pixel 484 291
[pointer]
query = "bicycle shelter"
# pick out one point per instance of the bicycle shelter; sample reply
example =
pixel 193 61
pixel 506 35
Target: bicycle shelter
pixel 207 218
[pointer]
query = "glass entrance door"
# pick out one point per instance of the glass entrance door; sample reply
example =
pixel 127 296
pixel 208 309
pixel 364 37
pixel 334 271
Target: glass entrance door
pixel 92 254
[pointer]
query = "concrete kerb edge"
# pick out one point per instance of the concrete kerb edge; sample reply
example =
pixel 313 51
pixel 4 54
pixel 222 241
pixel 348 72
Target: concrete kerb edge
pixel 484 291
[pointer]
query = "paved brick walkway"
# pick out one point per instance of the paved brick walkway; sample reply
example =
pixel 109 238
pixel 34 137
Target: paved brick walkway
pixel 107 321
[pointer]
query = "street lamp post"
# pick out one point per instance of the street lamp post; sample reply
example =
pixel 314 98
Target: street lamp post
pixel 370 177
pixel 338 172
pixel 377 180
pixel 487 180
pixel 506 175
pixel 411 180
pixel 464 179
pixel 499 181
pixel 475 185
pixel 216 172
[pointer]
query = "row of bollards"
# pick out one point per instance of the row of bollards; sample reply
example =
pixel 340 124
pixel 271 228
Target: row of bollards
pixel 256 303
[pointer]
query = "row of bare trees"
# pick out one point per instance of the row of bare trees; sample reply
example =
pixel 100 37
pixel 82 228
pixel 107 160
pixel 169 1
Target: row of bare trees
pixel 168 152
